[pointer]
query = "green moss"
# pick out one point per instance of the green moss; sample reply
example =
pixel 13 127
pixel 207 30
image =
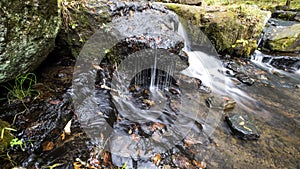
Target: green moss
pixel 29 29
pixel 79 23
pixel 284 44
pixel 285 39
pixel 264 4
pixel 191 13
pixel 7 136
pixel 224 26
pixel 287 16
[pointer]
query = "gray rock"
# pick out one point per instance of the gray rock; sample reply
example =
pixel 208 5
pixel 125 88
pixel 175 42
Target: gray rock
pixel 284 39
pixel 27 34
pixel 242 127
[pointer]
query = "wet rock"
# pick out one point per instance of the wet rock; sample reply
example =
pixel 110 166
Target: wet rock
pixel 187 2
pixel 27 34
pixel 229 28
pixel 242 127
pixel 284 62
pixel 242 77
pixel 232 66
pixel 239 72
pixel 284 39
pixel 220 102
pixel 286 15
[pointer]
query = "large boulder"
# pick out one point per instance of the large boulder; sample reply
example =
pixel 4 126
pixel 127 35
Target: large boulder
pixel 27 35
pixel 187 2
pixel 232 29
pixel 284 39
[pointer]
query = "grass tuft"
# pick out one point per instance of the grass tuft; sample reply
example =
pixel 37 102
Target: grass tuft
pixel 22 90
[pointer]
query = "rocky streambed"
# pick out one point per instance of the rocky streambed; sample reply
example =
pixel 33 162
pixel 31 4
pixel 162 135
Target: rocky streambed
pixel 245 114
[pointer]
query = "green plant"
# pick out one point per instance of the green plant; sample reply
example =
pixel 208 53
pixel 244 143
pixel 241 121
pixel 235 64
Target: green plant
pixel 17 142
pixel 23 88
pixel 53 166
pixel 3 130
pixel 124 166
pixel 21 143
pixel 243 42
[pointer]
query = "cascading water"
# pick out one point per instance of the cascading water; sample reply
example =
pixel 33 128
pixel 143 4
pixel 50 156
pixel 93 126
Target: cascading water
pixel 158 100
pixel 287 65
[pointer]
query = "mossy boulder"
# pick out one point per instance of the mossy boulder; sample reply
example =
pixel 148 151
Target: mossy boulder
pixel 286 15
pixel 27 34
pixel 284 39
pixel 187 2
pixel 7 136
pixel 232 29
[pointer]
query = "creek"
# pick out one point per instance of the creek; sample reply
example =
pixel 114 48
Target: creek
pixel 151 109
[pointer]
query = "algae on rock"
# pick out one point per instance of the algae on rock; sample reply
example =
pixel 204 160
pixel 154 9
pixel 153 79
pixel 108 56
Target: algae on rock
pixel 286 39
pixel 225 26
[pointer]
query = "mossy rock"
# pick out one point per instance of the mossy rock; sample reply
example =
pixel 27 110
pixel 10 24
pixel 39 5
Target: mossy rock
pixel 7 137
pixel 225 26
pixel 80 20
pixel 187 2
pixel 285 39
pixel 27 34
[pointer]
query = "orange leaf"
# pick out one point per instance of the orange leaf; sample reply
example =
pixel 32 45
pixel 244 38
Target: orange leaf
pixel 47 146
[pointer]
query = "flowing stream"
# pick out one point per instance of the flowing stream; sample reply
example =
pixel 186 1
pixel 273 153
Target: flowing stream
pixel 155 114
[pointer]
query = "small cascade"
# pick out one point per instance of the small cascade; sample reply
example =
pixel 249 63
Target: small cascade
pixel 287 65
pixel 203 66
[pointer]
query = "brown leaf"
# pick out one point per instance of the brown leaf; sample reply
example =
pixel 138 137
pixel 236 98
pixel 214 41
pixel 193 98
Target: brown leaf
pixel 201 164
pixel 156 159
pixel 77 165
pixel 135 137
pixel 54 102
pixel 47 146
pixel 158 126
pixel 106 159
pixel 189 142
pixel 63 136
pixel 97 67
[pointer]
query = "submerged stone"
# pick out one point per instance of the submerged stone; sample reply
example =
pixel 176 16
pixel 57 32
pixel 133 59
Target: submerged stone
pixel 222 103
pixel 242 77
pixel 187 2
pixel 242 127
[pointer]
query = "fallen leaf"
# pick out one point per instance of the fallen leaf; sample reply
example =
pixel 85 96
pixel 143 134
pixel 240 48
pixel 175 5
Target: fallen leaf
pixel 201 164
pixel 97 67
pixel 135 137
pixel 77 165
pixel 54 102
pixel 189 142
pixel 131 13
pixel 47 146
pixel 149 102
pixel 67 128
pixel 158 126
pixel 156 159
pixel 106 159
pixel 63 136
